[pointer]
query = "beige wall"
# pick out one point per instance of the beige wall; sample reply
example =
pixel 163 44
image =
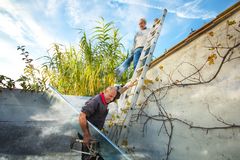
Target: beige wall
pixel 191 103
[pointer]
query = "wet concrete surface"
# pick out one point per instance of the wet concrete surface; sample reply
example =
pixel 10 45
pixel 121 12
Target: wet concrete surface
pixel 36 126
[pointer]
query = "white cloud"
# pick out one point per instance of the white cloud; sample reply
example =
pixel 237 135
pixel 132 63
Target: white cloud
pixel 192 10
pixel 189 10
pixel 52 7
pixel 18 27
pixel 140 3
pixel 84 13
pixel 14 29
pixel 49 8
pixel 11 64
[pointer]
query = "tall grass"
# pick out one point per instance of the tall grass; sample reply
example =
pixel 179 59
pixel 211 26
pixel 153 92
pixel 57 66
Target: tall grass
pixel 89 68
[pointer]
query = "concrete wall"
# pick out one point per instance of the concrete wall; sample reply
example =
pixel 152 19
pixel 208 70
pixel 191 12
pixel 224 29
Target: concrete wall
pixel 212 106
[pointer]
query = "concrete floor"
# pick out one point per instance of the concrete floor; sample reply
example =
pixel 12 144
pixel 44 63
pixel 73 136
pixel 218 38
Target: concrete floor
pixel 36 126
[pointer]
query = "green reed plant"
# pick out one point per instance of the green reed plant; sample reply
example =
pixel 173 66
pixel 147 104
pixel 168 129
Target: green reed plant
pixel 83 70
pixel 88 68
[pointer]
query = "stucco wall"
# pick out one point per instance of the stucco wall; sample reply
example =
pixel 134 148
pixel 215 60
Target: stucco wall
pixel 203 109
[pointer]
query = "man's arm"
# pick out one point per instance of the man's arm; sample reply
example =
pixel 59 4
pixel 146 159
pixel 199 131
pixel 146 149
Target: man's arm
pixel 128 85
pixel 86 111
pixel 123 89
pixel 84 125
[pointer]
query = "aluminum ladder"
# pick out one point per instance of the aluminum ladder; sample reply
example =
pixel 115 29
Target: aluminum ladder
pixel 140 68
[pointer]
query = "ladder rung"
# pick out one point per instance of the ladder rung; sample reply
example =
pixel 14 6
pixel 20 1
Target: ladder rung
pixel 157 24
pixel 139 69
pixel 150 38
pixel 153 31
pixel 144 57
pixel 147 46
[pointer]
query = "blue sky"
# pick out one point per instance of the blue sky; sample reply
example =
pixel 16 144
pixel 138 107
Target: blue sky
pixel 39 23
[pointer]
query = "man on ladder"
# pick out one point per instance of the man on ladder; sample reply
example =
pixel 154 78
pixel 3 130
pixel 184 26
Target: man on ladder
pixel 139 41
pixel 144 63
